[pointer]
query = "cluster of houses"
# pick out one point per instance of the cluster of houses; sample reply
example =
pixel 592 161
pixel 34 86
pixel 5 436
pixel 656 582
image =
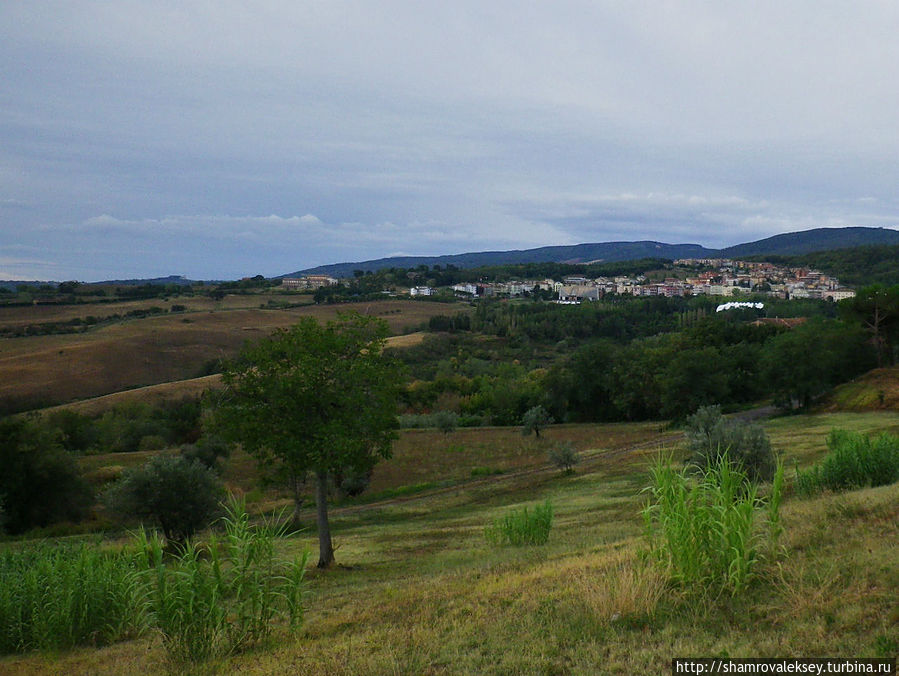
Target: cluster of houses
pixel 727 278
pixel 713 277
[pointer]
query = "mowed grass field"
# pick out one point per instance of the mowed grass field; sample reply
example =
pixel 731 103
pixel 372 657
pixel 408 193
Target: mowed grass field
pixel 42 371
pixel 417 589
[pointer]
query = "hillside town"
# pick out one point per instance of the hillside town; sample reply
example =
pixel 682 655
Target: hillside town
pixel 705 276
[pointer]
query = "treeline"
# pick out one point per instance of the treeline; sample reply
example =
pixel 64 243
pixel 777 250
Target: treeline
pixel 630 359
pixel 81 324
pixel 620 318
pixel 127 427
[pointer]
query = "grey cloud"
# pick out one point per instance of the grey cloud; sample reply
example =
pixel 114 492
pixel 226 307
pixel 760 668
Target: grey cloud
pixel 434 128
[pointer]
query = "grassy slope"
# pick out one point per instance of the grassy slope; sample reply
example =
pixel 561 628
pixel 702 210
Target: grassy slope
pixel 47 370
pixel 191 387
pixel 875 390
pixel 419 590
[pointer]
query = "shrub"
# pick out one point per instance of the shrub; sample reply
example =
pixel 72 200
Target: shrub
pixel 77 431
pixel 40 483
pixel 711 436
pixel 703 530
pixel 522 527
pixel 178 495
pixel 56 597
pixel 209 451
pixel 217 600
pixel 352 482
pixel 564 456
pixel 151 442
pixel 853 461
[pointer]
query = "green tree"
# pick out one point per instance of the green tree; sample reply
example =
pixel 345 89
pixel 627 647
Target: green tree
pixel 312 398
pixel 876 308
pixel 40 482
pixel 803 363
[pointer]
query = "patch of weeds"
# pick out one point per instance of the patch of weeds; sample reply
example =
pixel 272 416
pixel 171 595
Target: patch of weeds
pixel 853 461
pixel 522 527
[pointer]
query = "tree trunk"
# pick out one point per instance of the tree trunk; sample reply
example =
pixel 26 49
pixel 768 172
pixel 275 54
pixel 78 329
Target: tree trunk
pixel 325 548
pixel 297 500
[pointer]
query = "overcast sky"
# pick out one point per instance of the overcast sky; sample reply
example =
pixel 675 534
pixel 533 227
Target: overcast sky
pixel 228 139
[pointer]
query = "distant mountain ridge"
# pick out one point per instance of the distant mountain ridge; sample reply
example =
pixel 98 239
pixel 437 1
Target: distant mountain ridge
pixel 793 243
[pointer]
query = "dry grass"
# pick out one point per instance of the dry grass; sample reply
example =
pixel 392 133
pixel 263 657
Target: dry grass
pixel 620 587
pixel 17 317
pixel 48 370
pixel 151 394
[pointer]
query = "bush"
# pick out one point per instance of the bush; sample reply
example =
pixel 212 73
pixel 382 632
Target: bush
pixel 711 436
pixel 40 482
pixel 704 530
pixel 853 461
pixel 77 431
pixel 178 495
pixel 521 527
pixel 564 456
pixel 217 600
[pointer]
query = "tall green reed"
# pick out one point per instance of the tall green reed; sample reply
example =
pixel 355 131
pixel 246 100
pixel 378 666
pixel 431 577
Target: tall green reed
pixel 216 599
pixel 56 597
pixel 704 528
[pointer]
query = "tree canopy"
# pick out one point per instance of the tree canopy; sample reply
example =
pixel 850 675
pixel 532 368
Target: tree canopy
pixel 314 399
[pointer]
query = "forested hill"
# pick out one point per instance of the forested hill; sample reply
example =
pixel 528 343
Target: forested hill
pixel 857 266
pixel 578 253
pixel 789 244
pixel 808 241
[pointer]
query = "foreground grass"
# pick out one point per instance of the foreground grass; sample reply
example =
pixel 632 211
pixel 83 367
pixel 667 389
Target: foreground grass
pixel 421 591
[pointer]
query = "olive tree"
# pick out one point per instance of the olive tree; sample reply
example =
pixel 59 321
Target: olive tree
pixel 314 399
pixel 180 495
pixel 534 420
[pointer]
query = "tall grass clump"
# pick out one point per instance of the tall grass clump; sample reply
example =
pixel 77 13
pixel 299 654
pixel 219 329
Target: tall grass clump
pixel 853 461
pixel 522 527
pixel 214 600
pixel 705 529
pixel 56 597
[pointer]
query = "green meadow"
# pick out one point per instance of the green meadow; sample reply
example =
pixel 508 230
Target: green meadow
pixel 418 589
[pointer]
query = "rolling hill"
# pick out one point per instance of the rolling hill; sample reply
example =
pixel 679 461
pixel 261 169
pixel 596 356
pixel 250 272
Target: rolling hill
pixel 818 239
